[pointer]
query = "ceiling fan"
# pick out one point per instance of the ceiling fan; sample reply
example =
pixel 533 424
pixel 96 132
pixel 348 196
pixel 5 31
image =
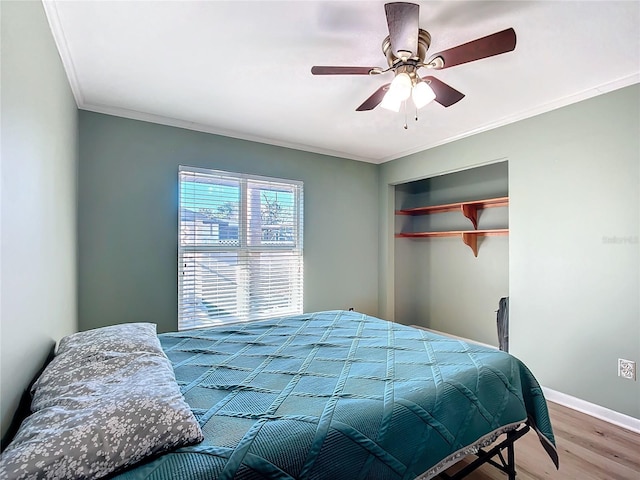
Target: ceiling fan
pixel 406 48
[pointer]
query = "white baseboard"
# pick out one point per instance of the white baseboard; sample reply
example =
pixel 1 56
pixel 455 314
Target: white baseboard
pixel 616 418
pixel 611 416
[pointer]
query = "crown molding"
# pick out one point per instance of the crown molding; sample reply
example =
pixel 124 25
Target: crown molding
pixel 199 127
pixel 544 108
pixel 67 61
pixel 59 38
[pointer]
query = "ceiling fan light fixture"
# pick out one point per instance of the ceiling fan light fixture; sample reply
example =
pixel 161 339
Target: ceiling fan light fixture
pixel 422 94
pixel 391 102
pixel 405 49
pixel 401 86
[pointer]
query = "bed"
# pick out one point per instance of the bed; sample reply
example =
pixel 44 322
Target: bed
pixel 337 395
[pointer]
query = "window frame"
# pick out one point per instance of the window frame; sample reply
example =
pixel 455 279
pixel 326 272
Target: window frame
pixel 243 249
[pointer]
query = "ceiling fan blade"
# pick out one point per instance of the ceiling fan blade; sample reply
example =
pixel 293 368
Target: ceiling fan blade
pixel 495 44
pixel 446 95
pixel 402 20
pixel 341 70
pixel 374 100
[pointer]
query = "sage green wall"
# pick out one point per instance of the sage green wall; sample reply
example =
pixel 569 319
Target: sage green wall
pixel 38 199
pixel 439 284
pixel 128 217
pixel 574 252
pixel 574 256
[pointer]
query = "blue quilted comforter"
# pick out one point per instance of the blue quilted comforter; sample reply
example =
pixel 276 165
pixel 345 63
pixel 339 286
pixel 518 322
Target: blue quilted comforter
pixel 339 395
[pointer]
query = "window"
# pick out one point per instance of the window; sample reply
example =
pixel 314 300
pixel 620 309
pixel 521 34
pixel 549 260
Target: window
pixel 239 247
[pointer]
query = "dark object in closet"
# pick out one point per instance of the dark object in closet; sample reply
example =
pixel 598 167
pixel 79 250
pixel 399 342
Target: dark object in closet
pixel 503 324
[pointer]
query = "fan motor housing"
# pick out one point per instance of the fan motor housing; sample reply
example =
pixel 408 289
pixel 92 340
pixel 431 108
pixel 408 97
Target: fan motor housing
pixel 424 42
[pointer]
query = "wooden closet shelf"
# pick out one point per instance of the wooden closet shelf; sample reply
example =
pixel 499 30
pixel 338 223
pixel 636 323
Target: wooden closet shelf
pixel 453 233
pixel 453 207
pixel 469 237
pixel 469 210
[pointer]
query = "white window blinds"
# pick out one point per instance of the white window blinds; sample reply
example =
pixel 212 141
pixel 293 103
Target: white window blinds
pixel 239 247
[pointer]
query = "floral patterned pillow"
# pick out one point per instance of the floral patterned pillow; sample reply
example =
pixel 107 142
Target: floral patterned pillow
pixel 101 406
pixel 124 337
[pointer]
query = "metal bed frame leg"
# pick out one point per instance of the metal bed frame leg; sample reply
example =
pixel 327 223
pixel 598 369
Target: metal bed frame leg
pixel 508 466
pixel 511 460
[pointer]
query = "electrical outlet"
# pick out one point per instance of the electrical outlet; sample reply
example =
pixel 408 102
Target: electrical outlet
pixel 627 369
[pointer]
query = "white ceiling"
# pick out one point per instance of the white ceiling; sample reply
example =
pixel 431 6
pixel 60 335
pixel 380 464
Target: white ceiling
pixel 242 69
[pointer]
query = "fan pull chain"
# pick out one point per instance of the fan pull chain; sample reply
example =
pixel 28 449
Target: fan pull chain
pixel 405 115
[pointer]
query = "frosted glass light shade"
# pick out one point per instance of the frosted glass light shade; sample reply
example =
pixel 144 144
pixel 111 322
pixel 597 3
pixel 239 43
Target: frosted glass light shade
pixel 401 86
pixel 422 94
pixel 391 102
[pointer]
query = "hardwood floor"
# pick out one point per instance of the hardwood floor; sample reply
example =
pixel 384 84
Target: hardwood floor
pixel 588 448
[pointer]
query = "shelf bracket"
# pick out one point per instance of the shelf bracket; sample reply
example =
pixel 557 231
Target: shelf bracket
pixel 470 210
pixel 471 239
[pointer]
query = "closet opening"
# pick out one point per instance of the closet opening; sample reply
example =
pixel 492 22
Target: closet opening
pixel 452 251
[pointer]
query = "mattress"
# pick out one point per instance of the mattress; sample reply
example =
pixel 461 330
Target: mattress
pixel 340 395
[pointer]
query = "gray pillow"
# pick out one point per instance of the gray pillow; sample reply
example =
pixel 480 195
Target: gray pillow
pixel 124 337
pixel 101 409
